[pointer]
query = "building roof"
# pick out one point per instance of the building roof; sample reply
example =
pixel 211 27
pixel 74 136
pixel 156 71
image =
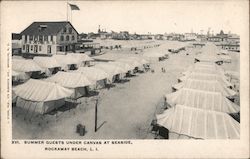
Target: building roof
pixel 45 28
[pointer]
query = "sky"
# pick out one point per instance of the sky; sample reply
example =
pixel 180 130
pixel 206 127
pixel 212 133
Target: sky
pixel 134 16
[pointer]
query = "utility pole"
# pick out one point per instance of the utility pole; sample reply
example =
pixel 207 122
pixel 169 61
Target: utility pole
pixel 96 104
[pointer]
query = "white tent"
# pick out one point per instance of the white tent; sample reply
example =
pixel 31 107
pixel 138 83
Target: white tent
pixel 205 85
pixel 206 77
pixel 25 65
pixel 123 65
pixel 114 72
pixel 208 55
pixel 95 75
pixel 199 123
pixel 19 76
pixel 40 96
pixel 204 71
pixel 83 59
pixel 201 99
pixel 76 81
pixel 134 63
pixel 47 63
pixel 153 57
pixel 205 65
pixel 66 61
pixel 141 60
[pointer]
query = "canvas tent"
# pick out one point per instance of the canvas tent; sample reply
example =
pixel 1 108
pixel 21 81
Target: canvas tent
pixel 66 62
pixel 123 65
pixel 40 96
pixel 201 99
pixel 204 71
pixel 83 59
pixel 199 123
pixel 115 73
pixel 212 86
pixel 133 62
pixel 95 75
pixel 206 77
pixel 19 76
pixel 208 57
pixel 153 57
pixel 49 64
pixel 27 66
pixel 75 81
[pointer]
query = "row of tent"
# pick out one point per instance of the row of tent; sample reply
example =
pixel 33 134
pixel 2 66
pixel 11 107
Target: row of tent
pixel 42 96
pixel 211 53
pixel 199 107
pixel 23 68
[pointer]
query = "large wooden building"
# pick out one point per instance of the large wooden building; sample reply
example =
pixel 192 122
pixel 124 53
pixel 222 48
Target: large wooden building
pixel 49 38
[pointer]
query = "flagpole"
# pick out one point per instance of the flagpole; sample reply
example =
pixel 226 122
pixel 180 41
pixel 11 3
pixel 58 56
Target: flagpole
pixel 67 11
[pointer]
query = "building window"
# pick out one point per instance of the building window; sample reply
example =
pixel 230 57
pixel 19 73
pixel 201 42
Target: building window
pixel 73 38
pixel 45 38
pixel 25 38
pixel 40 48
pixel 30 37
pixel 51 38
pixel 23 47
pixel 62 38
pixel 49 49
pixel 70 30
pixel 31 47
pixel 40 38
pixel 65 30
pixel 67 38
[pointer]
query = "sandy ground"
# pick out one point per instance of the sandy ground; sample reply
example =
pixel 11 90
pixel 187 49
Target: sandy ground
pixel 125 111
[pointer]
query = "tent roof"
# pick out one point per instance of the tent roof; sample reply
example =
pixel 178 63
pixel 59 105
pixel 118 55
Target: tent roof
pixel 205 85
pixel 94 74
pixel 25 65
pixel 199 123
pixel 70 79
pixel 110 69
pixel 202 99
pixel 123 65
pixel 38 90
pixel 141 60
pixel 206 77
pixel 80 57
pixel 46 62
pixel 65 60
pixel 133 62
pixel 204 71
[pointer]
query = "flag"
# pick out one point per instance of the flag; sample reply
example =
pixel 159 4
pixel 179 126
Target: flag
pixel 74 7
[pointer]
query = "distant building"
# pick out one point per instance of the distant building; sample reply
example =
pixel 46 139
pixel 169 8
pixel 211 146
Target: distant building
pixel 221 37
pixel 158 37
pixel 233 38
pixel 16 40
pixel 190 36
pixel 49 38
